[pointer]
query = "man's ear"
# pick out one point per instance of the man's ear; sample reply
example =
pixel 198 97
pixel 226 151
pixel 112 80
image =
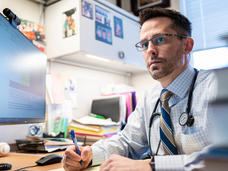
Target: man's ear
pixel 189 45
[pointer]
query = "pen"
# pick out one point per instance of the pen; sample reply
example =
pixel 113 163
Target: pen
pixel 74 139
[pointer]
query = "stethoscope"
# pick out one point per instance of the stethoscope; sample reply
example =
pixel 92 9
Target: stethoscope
pixel 186 118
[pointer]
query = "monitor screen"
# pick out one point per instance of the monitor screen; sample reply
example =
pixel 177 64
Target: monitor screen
pixel 22 77
pixel 108 107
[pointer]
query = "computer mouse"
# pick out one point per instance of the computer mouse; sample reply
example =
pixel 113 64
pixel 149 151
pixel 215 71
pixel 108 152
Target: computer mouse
pixel 5 166
pixel 49 159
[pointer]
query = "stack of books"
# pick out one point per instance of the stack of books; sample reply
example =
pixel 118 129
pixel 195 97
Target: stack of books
pixel 90 129
pixel 217 156
pixel 216 159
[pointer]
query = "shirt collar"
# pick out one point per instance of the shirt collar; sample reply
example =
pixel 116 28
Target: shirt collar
pixel 181 84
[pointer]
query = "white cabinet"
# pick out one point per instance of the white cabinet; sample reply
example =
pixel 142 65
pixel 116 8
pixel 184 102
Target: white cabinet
pixel 94 36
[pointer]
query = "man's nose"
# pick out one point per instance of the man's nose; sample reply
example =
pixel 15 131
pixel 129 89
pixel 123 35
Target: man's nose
pixel 152 49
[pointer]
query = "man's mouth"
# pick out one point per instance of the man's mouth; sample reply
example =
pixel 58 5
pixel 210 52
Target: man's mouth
pixel 154 63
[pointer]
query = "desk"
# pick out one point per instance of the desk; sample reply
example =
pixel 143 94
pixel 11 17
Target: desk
pixel 97 168
pixel 19 160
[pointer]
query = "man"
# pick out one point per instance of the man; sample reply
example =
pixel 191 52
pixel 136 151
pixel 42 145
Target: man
pixel 165 43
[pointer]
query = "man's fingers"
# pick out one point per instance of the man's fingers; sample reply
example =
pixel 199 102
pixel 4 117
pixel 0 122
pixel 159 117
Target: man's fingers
pixel 86 152
pixel 71 160
pixel 72 155
pixel 70 165
pixel 86 155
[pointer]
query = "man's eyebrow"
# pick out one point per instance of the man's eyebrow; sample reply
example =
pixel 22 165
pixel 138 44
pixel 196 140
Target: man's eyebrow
pixel 151 37
pixel 143 40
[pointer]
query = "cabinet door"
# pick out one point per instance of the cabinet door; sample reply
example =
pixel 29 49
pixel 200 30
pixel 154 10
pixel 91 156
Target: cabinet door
pixel 112 33
pixel 105 31
pixel 56 15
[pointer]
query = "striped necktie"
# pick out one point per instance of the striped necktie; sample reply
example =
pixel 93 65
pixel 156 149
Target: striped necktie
pixel 166 131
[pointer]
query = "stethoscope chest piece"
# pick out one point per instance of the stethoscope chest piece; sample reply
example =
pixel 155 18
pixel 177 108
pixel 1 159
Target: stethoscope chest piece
pixel 186 119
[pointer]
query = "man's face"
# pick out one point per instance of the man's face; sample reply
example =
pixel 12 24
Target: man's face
pixel 166 59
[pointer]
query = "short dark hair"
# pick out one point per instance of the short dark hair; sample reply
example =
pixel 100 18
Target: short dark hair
pixel 179 22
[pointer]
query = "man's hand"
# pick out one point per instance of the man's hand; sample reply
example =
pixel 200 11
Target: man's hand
pixel 117 162
pixel 71 160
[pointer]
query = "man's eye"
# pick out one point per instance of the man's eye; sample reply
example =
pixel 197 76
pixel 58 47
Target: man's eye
pixel 158 40
pixel 144 45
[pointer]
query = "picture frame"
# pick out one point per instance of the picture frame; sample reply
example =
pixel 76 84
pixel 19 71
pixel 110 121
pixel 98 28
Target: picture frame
pixel 138 5
pixel 141 4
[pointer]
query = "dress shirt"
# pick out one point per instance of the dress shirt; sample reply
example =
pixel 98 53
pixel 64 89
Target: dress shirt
pixel 132 142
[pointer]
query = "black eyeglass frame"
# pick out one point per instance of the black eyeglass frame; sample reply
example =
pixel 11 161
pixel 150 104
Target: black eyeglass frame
pixel 140 48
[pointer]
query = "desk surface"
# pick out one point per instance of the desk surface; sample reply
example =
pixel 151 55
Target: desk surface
pixel 19 160
pixel 97 168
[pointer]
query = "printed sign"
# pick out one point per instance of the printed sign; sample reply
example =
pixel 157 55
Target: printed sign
pixel 118 27
pixel 69 23
pixel 103 30
pixel 87 9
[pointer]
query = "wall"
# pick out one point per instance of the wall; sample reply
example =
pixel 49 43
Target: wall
pixel 112 1
pixel 88 43
pixel 141 82
pixel 175 4
pixel 126 4
pixel 89 83
pixel 126 44
pixel 54 20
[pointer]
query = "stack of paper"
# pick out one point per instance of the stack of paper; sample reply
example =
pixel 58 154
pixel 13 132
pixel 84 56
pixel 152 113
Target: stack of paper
pixel 89 129
pixel 42 145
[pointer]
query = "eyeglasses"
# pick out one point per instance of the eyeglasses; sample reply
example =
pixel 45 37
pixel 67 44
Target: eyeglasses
pixel 157 40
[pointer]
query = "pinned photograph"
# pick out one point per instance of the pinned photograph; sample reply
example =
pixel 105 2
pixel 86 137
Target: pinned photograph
pixel 118 27
pixel 103 30
pixel 87 9
pixel 69 23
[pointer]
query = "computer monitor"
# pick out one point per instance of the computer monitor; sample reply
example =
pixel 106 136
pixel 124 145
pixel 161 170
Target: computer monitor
pixel 113 107
pixel 22 77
